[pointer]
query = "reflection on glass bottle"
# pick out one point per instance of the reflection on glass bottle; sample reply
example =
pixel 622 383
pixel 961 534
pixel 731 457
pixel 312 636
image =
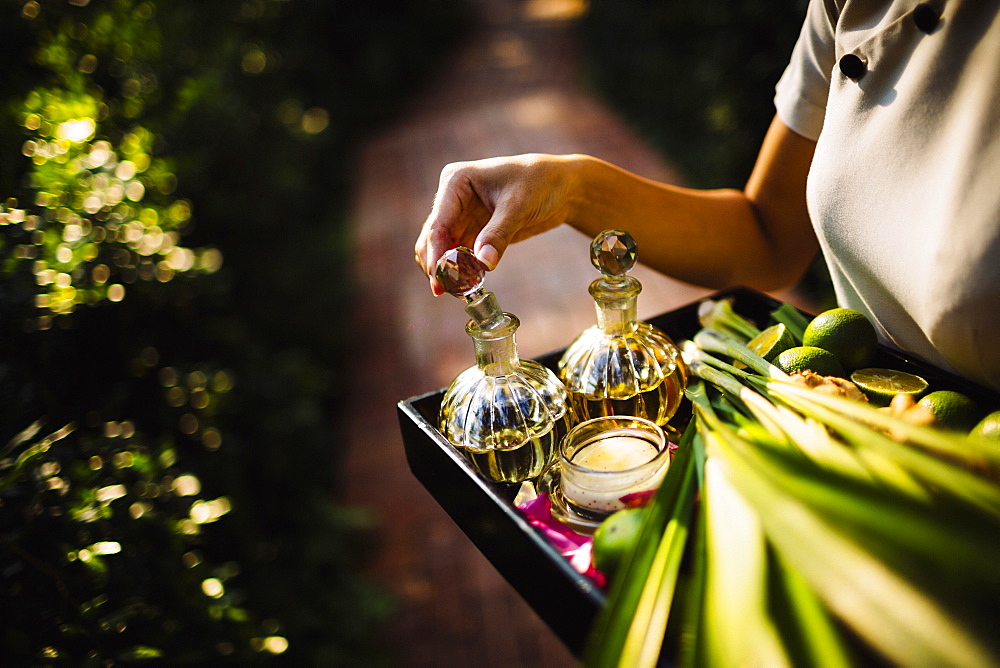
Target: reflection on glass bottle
pixel 621 366
pixel 505 413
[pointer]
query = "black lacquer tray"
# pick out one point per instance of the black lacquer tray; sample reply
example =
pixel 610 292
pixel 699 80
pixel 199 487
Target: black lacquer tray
pixel 566 600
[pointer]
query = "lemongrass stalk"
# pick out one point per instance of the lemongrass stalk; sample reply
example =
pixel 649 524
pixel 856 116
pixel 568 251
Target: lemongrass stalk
pixel 762 410
pixel 807 434
pixel 888 471
pixel 792 319
pixel 905 522
pixel 814 440
pixel 645 638
pixel 810 437
pixel 811 626
pixel 823 645
pixel 691 354
pixel 714 342
pixel 720 316
pixel 944 476
pixel 629 629
pixel 724 381
pixel 736 579
pixel 883 607
pixel 938 440
pixel 698 395
pixel 691 638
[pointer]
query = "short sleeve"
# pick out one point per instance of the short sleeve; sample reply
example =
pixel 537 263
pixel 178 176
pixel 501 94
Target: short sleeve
pixel 801 93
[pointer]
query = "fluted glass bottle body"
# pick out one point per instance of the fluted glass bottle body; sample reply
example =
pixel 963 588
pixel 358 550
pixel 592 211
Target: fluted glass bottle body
pixel 506 414
pixel 621 366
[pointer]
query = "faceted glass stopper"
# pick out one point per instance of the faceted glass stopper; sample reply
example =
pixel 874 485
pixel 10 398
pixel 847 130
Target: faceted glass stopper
pixel 614 252
pixel 460 272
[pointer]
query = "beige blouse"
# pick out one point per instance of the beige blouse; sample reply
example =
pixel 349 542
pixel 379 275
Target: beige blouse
pixel 903 99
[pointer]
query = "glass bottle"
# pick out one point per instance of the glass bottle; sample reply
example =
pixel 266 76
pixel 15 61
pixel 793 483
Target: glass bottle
pixel 506 414
pixel 621 366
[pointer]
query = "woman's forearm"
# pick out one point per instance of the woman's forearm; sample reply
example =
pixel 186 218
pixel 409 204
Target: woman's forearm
pixel 759 236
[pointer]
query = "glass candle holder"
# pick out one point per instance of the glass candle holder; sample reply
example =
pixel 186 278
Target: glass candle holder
pixel 607 458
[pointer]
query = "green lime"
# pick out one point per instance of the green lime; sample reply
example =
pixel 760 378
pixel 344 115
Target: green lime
pixel 988 427
pixel 810 358
pixel 881 385
pixel 846 333
pixel 952 410
pixel 615 538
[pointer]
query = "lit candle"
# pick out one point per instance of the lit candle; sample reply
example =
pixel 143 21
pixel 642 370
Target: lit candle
pixel 606 458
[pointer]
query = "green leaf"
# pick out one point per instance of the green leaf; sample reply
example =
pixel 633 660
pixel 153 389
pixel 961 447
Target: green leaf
pixel 792 319
pixel 738 630
pixel 629 629
pixel 809 632
pixel 946 477
pixel 885 608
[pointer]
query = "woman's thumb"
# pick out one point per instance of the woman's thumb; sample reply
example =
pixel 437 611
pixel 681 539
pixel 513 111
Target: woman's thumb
pixel 488 255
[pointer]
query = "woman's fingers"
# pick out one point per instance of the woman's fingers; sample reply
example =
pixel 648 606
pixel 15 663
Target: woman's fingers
pixel 458 213
pixel 488 204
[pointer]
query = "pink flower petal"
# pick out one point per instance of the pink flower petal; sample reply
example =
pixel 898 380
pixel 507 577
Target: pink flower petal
pixel 573 546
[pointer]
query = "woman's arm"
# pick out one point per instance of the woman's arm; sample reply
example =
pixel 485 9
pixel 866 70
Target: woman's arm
pixel 760 236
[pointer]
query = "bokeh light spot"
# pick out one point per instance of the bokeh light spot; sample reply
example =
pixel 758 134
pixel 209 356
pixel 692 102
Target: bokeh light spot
pixel 188 423
pixel 123 460
pixel 275 644
pixel 186 485
pixel 210 260
pixel 106 547
pixel 254 61
pixel 100 274
pixel 77 130
pixel 168 376
pixel 110 493
pixel 222 382
pixel 211 439
pixel 315 120
pixel 213 587
pixel 87 64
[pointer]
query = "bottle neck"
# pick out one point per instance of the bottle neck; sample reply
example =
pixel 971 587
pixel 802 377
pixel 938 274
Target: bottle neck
pixel 496 349
pixel 615 301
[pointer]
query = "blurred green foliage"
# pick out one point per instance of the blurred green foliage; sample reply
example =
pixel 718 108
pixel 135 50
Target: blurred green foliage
pixel 695 77
pixel 174 181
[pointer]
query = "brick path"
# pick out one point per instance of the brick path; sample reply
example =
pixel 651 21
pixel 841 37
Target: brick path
pixel 513 89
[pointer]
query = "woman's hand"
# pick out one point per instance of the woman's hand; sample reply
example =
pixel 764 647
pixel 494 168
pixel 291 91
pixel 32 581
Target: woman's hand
pixel 487 205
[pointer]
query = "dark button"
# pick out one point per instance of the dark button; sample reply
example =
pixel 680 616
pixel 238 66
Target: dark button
pixel 852 66
pixel 925 17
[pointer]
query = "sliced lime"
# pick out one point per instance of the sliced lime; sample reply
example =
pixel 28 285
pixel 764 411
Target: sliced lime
pixel 881 385
pixel 770 343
